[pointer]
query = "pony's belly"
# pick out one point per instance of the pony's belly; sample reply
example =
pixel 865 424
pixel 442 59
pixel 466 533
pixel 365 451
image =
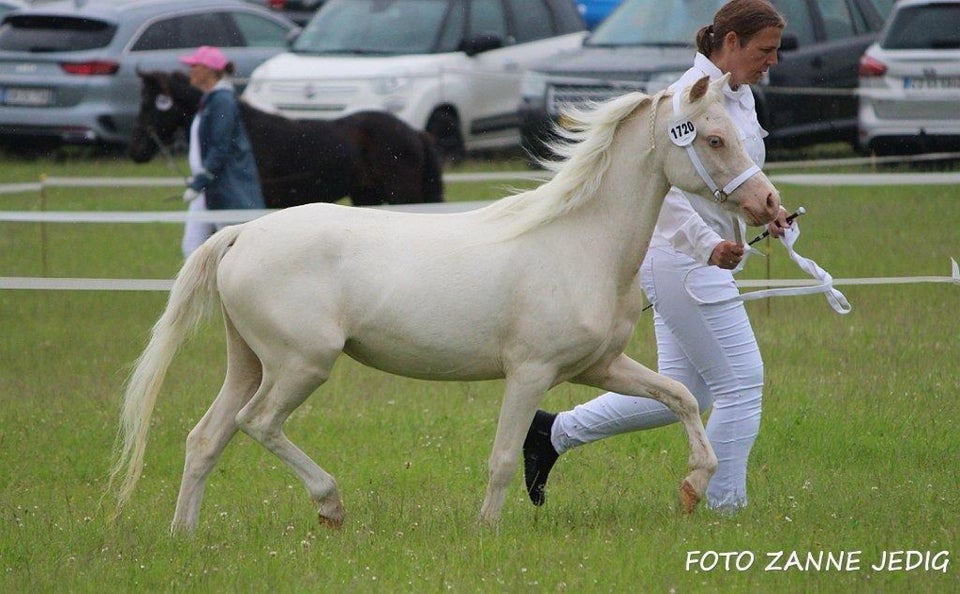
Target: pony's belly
pixel 425 361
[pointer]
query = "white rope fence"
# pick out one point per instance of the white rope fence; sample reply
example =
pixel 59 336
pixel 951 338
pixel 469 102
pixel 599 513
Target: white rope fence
pixel 178 182
pixel 129 284
pixel 240 216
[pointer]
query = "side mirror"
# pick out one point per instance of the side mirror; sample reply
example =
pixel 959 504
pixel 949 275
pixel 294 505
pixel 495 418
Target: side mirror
pixel 480 43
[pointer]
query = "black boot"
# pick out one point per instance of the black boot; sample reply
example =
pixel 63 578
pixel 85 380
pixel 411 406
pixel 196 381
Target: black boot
pixel 539 456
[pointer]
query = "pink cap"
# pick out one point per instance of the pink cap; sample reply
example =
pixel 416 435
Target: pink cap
pixel 207 56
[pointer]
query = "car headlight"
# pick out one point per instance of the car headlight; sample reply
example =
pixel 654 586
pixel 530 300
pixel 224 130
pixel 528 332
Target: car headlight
pixel 387 85
pixel 533 84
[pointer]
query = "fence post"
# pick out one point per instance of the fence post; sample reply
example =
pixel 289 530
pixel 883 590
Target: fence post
pixel 768 248
pixel 43 226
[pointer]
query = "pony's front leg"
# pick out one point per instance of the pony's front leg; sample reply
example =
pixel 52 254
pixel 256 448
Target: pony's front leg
pixel 523 391
pixel 626 376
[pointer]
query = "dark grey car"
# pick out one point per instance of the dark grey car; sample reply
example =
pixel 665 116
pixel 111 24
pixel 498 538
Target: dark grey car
pixel 68 69
pixel 647 44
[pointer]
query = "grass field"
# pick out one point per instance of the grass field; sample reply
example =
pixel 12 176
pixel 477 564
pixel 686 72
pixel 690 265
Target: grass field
pixel 857 459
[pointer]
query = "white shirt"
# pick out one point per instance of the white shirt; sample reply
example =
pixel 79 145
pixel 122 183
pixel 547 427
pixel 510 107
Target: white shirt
pixel 688 223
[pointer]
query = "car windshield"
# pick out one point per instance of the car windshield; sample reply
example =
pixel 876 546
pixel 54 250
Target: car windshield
pixel 655 22
pixel 933 26
pixel 54 34
pixel 380 27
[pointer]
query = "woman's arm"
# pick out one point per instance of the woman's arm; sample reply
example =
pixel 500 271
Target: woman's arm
pixel 220 116
pixel 685 228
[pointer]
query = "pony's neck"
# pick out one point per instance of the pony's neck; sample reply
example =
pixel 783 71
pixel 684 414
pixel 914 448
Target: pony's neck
pixel 630 194
pixel 184 93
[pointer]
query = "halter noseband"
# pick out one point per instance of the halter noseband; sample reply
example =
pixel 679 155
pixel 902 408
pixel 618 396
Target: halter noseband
pixel 682 133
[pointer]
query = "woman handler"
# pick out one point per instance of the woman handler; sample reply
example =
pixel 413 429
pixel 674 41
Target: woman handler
pixel 711 349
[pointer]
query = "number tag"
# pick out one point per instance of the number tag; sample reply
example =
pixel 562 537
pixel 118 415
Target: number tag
pixel 683 133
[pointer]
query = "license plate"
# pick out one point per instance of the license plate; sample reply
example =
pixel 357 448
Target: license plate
pixel 931 82
pixel 26 97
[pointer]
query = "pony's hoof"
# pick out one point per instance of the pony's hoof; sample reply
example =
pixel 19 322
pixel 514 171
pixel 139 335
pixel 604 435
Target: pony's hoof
pixel 330 513
pixel 331 523
pixel 688 498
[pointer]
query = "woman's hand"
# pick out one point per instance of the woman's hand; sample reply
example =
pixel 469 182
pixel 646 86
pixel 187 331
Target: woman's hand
pixel 777 227
pixel 727 254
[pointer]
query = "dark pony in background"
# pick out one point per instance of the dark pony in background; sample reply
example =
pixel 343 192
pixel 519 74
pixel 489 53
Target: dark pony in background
pixel 371 156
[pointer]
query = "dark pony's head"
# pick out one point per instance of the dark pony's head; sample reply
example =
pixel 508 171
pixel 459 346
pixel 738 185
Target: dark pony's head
pixel 167 102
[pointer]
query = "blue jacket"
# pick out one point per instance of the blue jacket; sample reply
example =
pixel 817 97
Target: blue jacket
pixel 230 179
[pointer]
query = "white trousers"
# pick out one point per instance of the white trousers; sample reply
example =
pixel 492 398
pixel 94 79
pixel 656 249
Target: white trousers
pixel 711 349
pixel 195 232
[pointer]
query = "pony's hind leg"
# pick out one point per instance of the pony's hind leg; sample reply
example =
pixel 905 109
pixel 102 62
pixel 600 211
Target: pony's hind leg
pixel 626 376
pixel 262 419
pixel 207 440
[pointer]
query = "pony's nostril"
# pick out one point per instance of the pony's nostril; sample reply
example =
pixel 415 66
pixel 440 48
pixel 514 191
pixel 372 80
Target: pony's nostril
pixel 773 204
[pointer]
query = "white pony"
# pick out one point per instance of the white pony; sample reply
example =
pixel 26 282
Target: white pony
pixel 538 288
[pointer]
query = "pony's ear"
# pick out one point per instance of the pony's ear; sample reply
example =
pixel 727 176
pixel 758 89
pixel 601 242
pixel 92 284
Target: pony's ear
pixel 699 89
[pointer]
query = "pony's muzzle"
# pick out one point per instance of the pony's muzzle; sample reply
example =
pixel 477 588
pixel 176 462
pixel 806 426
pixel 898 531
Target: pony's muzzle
pixel 766 212
pixel 760 202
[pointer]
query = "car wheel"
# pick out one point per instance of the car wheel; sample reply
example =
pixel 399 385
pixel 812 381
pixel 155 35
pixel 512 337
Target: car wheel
pixel 445 129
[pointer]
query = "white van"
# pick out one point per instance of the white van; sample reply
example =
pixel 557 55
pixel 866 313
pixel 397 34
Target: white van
pixel 451 67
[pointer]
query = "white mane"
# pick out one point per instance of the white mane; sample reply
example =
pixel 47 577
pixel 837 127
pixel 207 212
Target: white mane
pixel 582 159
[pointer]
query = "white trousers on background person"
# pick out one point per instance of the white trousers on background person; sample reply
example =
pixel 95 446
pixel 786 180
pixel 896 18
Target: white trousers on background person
pixel 196 232
pixel 711 349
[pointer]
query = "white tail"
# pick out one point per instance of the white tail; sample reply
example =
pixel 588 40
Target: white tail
pixel 192 298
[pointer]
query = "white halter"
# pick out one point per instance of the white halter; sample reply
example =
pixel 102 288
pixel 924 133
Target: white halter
pixel 682 133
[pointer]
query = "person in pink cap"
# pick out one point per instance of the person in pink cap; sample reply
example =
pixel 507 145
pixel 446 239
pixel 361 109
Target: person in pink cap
pixel 221 160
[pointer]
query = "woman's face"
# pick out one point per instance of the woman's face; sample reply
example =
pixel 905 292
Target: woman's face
pixel 748 63
pixel 203 77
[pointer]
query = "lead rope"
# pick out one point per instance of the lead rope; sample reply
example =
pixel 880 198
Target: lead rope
pixel 167 154
pixel 835 298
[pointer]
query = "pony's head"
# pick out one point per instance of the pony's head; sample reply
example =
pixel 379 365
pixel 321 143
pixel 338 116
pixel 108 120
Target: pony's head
pixel 707 157
pixel 167 102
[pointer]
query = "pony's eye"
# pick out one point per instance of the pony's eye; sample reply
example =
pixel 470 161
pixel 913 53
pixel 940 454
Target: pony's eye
pixel 163 102
pixel 714 141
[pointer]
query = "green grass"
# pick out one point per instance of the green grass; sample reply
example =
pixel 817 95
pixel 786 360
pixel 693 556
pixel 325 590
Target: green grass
pixel 858 449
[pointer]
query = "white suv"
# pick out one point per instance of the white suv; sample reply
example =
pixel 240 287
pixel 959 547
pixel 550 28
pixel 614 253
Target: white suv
pixel 451 67
pixel 910 81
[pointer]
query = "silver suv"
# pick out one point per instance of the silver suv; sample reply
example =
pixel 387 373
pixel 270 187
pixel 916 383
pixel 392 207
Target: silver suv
pixel 68 69
pixel 910 81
